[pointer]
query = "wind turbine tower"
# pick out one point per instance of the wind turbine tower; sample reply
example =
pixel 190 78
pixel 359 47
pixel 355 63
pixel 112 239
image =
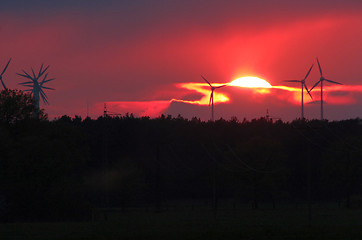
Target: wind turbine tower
pixel 303 85
pixel 2 73
pixel 212 96
pixel 321 80
pixel 36 87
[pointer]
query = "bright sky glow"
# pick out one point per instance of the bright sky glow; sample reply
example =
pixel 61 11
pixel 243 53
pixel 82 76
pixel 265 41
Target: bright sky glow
pixel 250 82
pixel 146 57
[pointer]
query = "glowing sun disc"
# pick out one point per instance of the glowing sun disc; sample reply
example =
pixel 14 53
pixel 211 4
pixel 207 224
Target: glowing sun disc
pixel 250 82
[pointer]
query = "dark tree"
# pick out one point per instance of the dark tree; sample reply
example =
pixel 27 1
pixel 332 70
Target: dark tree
pixel 264 169
pixel 15 105
pixel 342 170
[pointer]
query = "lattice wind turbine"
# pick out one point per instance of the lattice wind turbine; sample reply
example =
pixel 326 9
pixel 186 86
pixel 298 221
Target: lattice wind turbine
pixel 37 87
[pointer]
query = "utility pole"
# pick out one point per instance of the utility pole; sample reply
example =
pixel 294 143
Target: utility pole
pixel 105 110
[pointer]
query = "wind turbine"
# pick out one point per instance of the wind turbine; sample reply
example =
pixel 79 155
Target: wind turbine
pixel 303 85
pixel 212 96
pixel 321 80
pixel 36 86
pixel 1 76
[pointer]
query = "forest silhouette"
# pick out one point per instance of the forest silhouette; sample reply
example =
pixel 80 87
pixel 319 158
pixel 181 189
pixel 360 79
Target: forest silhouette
pixel 63 169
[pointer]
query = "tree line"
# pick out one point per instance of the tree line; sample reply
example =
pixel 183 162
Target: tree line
pixel 61 169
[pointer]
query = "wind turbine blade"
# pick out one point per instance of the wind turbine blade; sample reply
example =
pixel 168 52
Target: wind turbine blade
pixel 33 73
pixel 221 86
pixel 26 75
pixel 44 71
pixel 48 88
pixel 41 68
pixel 206 81
pixel 46 75
pixel 308 72
pixel 315 85
pixel 48 80
pixel 211 96
pixel 5 67
pixel 333 82
pixel 43 95
pixel 2 82
pixel 320 69
pixel 26 83
pixel 305 86
pixel 44 99
pixel 292 81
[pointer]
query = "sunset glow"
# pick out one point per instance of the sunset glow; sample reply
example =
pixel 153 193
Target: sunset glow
pixel 204 89
pixel 250 82
pixel 147 57
pixel 339 95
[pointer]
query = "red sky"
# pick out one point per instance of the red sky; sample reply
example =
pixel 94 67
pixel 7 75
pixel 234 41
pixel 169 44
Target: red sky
pixel 137 56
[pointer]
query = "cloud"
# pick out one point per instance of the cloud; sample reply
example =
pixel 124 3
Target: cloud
pixel 235 95
pixel 146 108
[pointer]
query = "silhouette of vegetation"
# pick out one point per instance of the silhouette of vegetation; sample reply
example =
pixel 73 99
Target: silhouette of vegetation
pixel 15 105
pixel 67 168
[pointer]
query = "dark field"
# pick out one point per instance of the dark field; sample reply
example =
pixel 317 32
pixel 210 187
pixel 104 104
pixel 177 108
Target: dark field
pixel 285 222
pixel 159 179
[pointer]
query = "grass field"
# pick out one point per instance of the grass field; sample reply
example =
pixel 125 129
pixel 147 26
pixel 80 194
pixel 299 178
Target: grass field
pixel 283 223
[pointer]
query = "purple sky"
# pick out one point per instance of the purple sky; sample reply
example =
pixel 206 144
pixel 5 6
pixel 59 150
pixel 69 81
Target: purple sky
pixel 135 54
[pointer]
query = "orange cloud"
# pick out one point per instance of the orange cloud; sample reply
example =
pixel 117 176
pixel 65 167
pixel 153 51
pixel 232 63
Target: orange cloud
pixel 339 94
pixel 336 95
pixel 204 89
pixel 138 108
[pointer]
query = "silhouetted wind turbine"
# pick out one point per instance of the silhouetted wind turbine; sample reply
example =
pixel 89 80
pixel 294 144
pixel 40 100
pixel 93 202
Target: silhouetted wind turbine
pixel 212 96
pixel 303 85
pixel 321 80
pixel 36 87
pixel 1 76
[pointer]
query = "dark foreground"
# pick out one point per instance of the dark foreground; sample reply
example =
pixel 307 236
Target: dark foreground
pixel 268 224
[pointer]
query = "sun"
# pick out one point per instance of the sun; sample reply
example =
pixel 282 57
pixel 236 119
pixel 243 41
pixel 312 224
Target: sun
pixel 250 82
